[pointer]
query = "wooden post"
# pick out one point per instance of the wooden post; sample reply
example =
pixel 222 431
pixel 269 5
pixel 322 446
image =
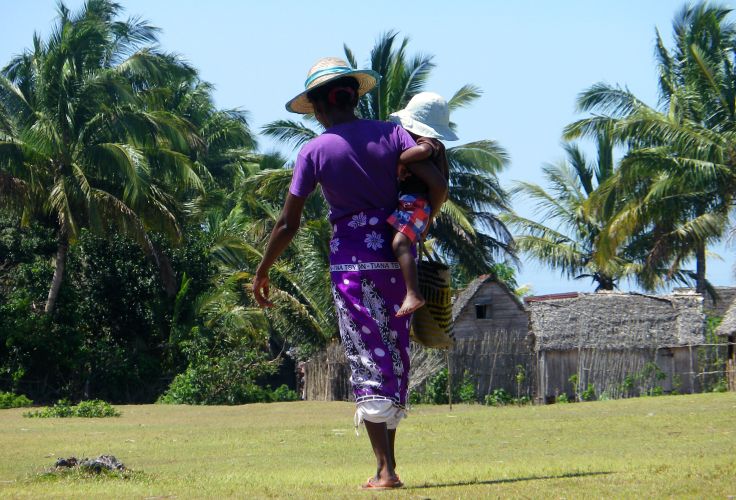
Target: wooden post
pixel 449 377
pixel 692 369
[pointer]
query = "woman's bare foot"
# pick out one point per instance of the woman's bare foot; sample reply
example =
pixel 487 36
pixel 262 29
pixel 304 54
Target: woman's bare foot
pixel 412 302
pixel 376 483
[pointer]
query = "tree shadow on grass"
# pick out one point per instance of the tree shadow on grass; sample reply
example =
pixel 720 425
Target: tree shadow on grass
pixel 510 480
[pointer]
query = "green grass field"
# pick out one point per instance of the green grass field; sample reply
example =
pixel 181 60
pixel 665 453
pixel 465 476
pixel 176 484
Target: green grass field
pixel 682 446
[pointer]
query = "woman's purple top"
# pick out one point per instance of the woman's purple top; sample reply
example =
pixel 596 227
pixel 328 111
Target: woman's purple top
pixel 355 163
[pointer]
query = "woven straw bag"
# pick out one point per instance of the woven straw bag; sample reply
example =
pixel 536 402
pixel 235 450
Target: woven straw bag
pixel 432 323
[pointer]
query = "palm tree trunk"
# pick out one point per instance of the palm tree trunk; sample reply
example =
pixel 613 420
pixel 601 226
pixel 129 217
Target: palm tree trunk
pixel 61 251
pixel 700 269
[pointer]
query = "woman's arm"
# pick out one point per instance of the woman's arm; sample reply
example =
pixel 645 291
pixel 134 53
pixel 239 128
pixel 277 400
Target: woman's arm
pixel 283 232
pixel 416 153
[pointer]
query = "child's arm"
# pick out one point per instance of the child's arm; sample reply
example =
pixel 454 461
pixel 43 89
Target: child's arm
pixel 435 181
pixel 417 153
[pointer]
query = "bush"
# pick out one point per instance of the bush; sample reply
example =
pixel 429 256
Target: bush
pixel 191 388
pixel 415 398
pixel 589 393
pixel 283 393
pixel 499 397
pixel 656 391
pixel 11 400
pixel 721 385
pixel 466 391
pixel 436 389
pixel 562 398
pixel 435 392
pixel 94 408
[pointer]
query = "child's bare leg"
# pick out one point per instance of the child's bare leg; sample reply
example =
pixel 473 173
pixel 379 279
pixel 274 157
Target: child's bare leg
pixel 402 250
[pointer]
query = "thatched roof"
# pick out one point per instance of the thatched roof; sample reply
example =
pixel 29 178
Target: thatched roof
pixel 551 296
pixel 473 287
pixel 725 295
pixel 728 325
pixel 614 320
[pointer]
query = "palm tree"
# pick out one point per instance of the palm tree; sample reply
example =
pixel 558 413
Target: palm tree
pixel 565 234
pixel 678 178
pixel 81 143
pixel 302 315
pixel 467 232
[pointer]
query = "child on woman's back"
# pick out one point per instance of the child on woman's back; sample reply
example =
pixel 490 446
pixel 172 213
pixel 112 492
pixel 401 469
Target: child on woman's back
pixel 427 119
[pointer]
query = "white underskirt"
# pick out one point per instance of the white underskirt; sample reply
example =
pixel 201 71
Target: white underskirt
pixel 379 411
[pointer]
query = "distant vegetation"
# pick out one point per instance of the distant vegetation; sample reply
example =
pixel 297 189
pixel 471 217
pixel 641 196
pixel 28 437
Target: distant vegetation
pixel 94 408
pixel 646 215
pixel 133 210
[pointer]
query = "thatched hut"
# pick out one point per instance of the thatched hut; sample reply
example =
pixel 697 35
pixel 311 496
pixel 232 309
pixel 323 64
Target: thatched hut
pixel 617 344
pixel 491 328
pixel 727 329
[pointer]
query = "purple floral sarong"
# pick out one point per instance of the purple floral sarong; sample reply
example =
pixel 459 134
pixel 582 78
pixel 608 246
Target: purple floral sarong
pixel 368 289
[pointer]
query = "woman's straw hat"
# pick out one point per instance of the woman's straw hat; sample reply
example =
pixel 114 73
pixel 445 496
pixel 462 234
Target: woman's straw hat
pixel 426 115
pixel 328 69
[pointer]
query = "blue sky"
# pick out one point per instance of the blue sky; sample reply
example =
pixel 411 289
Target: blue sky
pixel 531 58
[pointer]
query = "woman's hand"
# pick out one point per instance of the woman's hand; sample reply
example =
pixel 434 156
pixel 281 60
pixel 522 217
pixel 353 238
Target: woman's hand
pixel 403 172
pixel 283 232
pixel 261 289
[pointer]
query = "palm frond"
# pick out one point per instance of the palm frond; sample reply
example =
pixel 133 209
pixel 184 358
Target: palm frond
pixel 464 97
pixel 289 131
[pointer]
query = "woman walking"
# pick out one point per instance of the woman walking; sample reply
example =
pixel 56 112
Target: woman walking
pixel 355 163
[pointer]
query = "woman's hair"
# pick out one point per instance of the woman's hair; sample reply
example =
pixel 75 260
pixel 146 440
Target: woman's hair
pixel 340 93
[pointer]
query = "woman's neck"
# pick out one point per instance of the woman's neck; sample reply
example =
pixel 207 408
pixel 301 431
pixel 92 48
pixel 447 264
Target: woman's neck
pixel 339 117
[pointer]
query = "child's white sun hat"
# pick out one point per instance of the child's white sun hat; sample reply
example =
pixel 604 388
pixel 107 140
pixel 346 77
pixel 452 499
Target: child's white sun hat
pixel 326 70
pixel 426 115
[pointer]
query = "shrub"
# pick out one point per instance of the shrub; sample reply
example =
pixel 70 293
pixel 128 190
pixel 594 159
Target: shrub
pixel 657 390
pixel 189 388
pixel 224 366
pixel 562 398
pixel 62 409
pixel 435 391
pixel 12 400
pixel 499 397
pixel 574 381
pixel 415 398
pixel 721 385
pixel 523 400
pixel 283 393
pixel 589 393
pixel 466 391
pixel 94 408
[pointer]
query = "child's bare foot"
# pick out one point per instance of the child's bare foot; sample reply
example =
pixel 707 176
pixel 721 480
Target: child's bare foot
pixel 412 302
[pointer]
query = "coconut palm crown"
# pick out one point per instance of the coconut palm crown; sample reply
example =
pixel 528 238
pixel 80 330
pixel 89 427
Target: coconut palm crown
pixel 82 144
pixel 678 178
